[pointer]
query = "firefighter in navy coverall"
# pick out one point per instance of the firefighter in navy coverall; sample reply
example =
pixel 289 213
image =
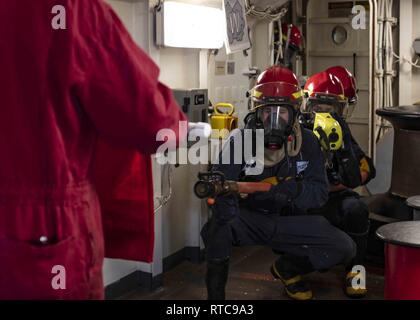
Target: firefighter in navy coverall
pixel 349 167
pixel 276 218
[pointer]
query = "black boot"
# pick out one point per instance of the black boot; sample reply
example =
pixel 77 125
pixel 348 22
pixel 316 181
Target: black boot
pixel 361 243
pixel 216 278
pixel 289 269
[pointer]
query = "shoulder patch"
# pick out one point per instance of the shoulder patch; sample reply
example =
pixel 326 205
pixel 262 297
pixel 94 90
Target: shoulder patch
pixel 301 166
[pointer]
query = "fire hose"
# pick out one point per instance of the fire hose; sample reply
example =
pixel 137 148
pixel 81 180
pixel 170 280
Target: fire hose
pixel 210 185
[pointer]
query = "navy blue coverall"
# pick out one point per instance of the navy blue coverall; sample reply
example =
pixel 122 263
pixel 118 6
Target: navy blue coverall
pixel 345 209
pixel 287 229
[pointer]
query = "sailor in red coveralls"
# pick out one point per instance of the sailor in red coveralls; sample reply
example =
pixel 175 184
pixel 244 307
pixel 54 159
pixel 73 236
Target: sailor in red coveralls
pixel 61 91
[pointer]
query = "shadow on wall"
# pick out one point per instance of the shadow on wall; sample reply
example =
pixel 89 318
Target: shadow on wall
pixel 383 164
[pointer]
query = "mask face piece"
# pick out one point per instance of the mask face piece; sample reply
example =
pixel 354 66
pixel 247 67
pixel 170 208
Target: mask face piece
pixel 323 108
pixel 348 110
pixel 277 122
pixel 319 106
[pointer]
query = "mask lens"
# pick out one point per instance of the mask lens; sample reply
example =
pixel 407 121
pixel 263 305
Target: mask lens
pixel 277 121
pixel 325 107
pixel 274 117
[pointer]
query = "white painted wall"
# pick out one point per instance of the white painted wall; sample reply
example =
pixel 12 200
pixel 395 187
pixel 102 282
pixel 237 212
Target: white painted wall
pixel 261 36
pixel 405 20
pixel 135 18
pixel 416 34
pixel 323 53
pixel 230 88
pixel 409 26
pixel 179 69
pixel 125 12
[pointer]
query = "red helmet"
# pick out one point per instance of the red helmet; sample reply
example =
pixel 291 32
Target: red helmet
pixel 348 81
pixel 277 84
pixel 295 37
pixel 278 74
pixel 325 93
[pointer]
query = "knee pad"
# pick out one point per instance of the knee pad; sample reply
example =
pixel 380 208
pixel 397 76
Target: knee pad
pixel 345 247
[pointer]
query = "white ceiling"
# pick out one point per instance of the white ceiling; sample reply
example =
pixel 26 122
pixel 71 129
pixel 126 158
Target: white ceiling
pixel 262 4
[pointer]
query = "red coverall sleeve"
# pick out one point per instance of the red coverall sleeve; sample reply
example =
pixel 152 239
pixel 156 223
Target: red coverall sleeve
pixel 119 86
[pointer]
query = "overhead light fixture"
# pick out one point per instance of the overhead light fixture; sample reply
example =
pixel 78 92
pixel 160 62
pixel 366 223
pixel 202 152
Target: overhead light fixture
pixel 185 25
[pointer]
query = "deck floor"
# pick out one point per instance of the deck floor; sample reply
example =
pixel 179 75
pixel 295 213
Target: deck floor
pixel 250 278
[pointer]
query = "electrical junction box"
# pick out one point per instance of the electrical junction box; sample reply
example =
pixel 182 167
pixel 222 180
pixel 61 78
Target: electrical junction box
pixel 194 103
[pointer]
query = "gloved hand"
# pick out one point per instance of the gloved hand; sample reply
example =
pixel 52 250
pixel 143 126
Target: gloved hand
pixel 333 176
pixel 279 196
pixel 271 201
pixel 346 131
pixel 291 188
pixel 346 161
pixel 349 170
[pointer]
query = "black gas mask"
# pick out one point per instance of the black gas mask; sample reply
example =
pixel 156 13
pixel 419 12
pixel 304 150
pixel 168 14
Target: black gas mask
pixel 277 122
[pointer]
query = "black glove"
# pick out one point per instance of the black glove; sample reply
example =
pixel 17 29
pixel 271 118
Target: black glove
pixel 271 201
pixel 349 171
pixel 346 168
pixel 347 141
pixel 279 196
pixel 347 165
pixel 291 188
pixel 334 177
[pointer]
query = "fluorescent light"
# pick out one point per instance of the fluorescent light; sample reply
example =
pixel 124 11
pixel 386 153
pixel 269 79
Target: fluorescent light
pixel 186 25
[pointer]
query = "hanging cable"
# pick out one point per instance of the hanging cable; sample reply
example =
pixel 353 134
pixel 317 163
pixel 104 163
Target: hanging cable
pixel 280 44
pixel 273 15
pixel 379 65
pixel 385 72
pixel 269 13
pixel 404 59
pixel 164 199
pixel 389 50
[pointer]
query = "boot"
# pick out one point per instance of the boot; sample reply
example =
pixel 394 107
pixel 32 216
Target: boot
pixel 350 290
pixel 216 278
pixel 354 292
pixel 290 270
